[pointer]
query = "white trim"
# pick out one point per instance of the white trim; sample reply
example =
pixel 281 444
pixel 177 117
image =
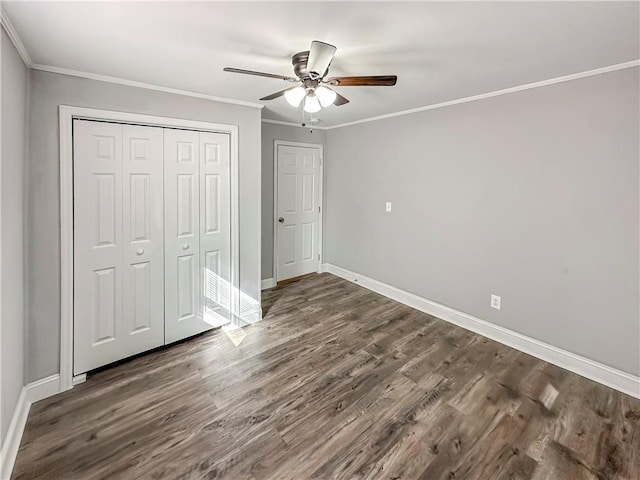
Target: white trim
pixel 148 86
pixel 44 388
pixel 29 394
pixel 66 248
pixel 143 119
pixel 122 81
pixel 14 435
pixel 292 124
pixel 78 379
pixel 67 114
pixel 15 38
pixel 321 215
pixel 13 35
pixel 276 144
pixel 543 83
pixel 598 372
pixel 268 283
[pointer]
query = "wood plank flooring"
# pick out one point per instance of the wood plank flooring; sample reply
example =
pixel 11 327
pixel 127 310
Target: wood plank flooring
pixel 336 382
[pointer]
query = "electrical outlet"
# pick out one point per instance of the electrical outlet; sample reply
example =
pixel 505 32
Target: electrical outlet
pixel 388 207
pixel 496 301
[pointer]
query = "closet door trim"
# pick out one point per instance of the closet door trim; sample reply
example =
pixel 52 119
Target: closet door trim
pixel 67 114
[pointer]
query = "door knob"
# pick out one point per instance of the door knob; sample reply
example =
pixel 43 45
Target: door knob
pixel 281 220
pixel 140 252
pixel 185 246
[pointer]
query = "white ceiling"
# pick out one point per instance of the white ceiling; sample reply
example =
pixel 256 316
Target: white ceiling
pixel 440 51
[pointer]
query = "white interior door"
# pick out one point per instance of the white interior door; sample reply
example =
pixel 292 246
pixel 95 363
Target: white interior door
pixel 117 242
pixel 297 211
pixel 197 232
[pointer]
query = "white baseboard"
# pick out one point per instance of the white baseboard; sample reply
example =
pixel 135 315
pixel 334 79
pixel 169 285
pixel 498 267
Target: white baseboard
pixel 29 394
pixel 14 435
pixel 268 283
pixel 44 388
pixel 598 372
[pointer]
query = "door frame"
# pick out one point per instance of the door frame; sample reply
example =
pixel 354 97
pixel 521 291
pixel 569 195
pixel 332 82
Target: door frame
pixel 276 144
pixel 69 113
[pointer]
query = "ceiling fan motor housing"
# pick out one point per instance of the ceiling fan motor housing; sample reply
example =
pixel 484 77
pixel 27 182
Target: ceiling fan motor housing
pixel 299 62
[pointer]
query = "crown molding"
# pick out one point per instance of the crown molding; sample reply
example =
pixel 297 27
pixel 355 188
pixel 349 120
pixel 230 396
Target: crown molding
pixel 148 86
pixel 528 86
pixel 22 51
pixel 15 38
pixel 291 124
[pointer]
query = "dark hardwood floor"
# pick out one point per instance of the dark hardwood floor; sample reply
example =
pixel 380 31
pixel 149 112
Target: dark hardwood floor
pixel 336 382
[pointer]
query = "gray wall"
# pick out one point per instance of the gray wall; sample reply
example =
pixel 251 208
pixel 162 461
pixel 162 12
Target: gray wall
pixel 12 174
pixel 48 91
pixel 270 133
pixel 532 196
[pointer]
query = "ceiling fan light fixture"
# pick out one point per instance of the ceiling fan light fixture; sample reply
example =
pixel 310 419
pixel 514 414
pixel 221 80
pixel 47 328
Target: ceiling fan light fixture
pixel 325 95
pixel 295 96
pixel 311 103
pixel 310 68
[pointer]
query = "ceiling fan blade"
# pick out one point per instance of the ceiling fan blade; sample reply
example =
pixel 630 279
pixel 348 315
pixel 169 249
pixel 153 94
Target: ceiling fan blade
pixel 320 56
pixel 374 81
pixel 277 94
pixel 260 74
pixel 340 100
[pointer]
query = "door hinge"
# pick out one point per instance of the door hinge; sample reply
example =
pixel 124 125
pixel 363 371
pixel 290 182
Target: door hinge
pixel 318 209
pixel 318 257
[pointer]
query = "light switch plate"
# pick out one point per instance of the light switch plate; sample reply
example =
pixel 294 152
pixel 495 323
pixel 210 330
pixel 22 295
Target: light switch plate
pixel 388 207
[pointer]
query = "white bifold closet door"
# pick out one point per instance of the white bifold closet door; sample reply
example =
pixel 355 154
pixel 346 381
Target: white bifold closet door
pixel 118 242
pixel 152 238
pixel 197 232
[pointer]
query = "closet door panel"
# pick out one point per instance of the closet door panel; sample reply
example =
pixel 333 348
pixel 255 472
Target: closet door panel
pixel 183 316
pixel 152 233
pixel 215 223
pixel 143 234
pixel 98 245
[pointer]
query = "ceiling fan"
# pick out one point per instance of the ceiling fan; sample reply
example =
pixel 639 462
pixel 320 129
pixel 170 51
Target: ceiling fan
pixel 311 68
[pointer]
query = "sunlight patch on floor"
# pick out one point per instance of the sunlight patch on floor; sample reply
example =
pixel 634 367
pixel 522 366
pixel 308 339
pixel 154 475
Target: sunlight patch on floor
pixel 234 333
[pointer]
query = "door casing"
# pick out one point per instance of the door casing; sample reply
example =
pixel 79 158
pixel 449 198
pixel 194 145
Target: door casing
pixel 276 144
pixel 67 114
